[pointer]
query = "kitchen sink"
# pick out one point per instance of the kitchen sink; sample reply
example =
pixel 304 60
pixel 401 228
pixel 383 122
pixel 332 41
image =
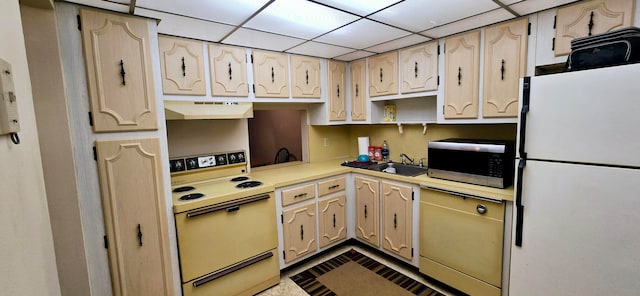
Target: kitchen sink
pixel 401 169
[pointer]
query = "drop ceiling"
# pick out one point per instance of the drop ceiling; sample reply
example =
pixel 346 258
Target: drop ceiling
pixel 337 29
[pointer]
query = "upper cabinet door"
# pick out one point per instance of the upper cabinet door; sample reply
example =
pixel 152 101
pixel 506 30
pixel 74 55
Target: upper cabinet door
pixel 305 77
pixel 182 66
pixel 119 73
pixel 419 68
pixel 588 18
pixel 505 57
pixel 270 74
pixel 228 67
pixel 358 96
pixel 462 66
pixel 383 74
pixel 337 101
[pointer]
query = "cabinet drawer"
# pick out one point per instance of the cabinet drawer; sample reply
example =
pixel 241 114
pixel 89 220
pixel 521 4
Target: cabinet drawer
pixel 298 194
pixel 331 186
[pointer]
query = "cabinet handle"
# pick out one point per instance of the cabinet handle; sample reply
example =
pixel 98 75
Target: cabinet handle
pixel 301 232
pixel 502 70
pixel 482 209
pixel 590 23
pixel 415 70
pixel 365 211
pixel 122 72
pixel 233 209
pixel 357 90
pixel 395 221
pixel 459 75
pixel 230 72
pixel 184 68
pixel 307 76
pixel 334 186
pixel 300 195
pixel 140 235
pixel 338 88
pixel 273 75
pixel 380 74
pixel 334 220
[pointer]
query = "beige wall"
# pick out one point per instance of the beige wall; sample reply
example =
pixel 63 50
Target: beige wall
pixel 27 259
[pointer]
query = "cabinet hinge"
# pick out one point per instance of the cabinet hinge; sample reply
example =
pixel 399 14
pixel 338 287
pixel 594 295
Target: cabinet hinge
pixel 554 21
pixel 252 58
pixel 438 80
pixel 90 119
pixel 413 195
pixel 95 154
pixel 254 88
pixel 411 252
pixel 106 242
pixel 79 22
pixel 442 109
pixel 553 43
pixel 529 30
pixel 284 255
pixel 282 219
pixel 438 49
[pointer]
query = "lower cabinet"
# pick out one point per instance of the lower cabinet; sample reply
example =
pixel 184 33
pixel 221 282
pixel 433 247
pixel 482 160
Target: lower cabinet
pixel 299 232
pixel 332 220
pixel 368 210
pixel 461 241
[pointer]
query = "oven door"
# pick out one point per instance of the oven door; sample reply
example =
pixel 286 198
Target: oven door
pixel 220 235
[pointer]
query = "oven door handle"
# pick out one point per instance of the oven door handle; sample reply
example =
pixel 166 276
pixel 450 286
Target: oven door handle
pixel 231 206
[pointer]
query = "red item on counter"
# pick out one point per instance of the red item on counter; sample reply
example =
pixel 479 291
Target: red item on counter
pixel 377 153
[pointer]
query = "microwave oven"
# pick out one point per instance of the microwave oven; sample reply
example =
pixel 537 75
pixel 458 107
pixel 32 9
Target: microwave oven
pixel 481 162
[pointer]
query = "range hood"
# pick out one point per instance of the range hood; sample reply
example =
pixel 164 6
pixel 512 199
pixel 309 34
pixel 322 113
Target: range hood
pixel 189 110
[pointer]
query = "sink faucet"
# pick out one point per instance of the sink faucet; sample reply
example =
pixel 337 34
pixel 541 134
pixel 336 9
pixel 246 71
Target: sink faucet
pixel 405 157
pixel 421 161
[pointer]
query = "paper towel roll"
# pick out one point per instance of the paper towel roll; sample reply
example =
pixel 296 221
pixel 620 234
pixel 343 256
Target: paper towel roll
pixel 363 145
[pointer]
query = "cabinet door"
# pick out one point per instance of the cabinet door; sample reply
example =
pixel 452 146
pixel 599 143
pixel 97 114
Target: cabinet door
pixel 397 218
pixel 367 210
pixel 383 74
pixel 358 96
pixel 305 77
pixel 337 100
pixel 419 68
pixel 332 216
pixel 462 64
pixel 299 232
pixel 119 73
pixel 228 67
pixel 182 66
pixel 270 74
pixel 130 174
pixel 505 57
pixel 588 18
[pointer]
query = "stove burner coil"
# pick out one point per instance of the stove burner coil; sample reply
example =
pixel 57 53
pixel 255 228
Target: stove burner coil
pixel 191 196
pixel 183 189
pixel 249 184
pixel 238 179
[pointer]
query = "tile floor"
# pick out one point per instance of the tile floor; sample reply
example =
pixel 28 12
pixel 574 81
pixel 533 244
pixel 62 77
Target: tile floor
pixel 289 288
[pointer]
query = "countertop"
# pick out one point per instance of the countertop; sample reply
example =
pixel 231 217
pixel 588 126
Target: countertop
pixel 299 172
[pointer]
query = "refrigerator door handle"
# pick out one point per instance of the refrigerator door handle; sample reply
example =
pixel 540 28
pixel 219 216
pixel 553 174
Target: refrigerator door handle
pixel 519 207
pixel 526 92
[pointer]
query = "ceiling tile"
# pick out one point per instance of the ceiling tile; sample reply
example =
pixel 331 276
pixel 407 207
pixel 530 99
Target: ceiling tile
pixel 262 40
pixel 359 54
pixel 215 10
pixel 361 34
pixel 300 19
pixel 176 25
pixel 419 15
pixel 473 22
pixel 319 50
pixel 359 7
pixel 398 43
pixel 531 6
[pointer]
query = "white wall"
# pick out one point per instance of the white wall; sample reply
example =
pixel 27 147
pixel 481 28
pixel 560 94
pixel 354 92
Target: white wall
pixel 27 260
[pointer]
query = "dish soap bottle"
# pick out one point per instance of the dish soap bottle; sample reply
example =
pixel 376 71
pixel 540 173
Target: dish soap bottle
pixel 385 151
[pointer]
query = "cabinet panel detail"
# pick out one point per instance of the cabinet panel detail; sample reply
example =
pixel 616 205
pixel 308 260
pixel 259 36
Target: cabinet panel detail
pixel 305 77
pixel 358 91
pixel 182 66
pixel 383 74
pixel 419 68
pixel 228 67
pixel 332 216
pixel 367 210
pixel 299 232
pixel 271 74
pixel 397 209
pixel 461 75
pixel 337 91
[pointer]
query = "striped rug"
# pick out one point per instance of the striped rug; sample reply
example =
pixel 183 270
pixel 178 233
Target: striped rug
pixel 307 279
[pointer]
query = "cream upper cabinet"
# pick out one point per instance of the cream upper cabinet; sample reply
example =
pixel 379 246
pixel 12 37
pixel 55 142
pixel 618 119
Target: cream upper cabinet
pixel 332 219
pixel 368 210
pixel 135 216
pixel 337 93
pixel 397 219
pixel 358 91
pixel 299 232
pixel 305 77
pixel 383 74
pixel 270 74
pixel 182 66
pixel 419 68
pixel 119 72
pixel 587 18
pixel 505 57
pixel 228 67
pixel 462 67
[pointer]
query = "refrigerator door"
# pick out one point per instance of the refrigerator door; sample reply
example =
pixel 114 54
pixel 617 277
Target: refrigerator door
pixel 588 116
pixel 581 233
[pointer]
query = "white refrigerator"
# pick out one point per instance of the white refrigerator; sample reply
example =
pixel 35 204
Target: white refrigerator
pixel 576 225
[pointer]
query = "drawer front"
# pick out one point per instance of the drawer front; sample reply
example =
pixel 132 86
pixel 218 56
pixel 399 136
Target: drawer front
pixel 244 280
pixel 298 194
pixel 239 232
pixel 331 186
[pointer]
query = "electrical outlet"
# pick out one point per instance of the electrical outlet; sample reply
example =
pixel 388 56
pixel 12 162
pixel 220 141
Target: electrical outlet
pixel 326 142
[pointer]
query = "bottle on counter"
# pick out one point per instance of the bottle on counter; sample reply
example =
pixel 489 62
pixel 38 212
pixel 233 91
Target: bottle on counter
pixel 385 151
